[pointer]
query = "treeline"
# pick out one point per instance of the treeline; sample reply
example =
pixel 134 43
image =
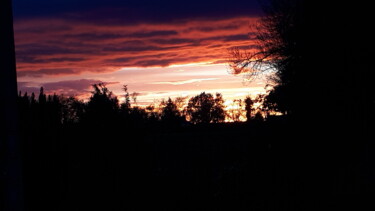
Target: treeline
pixel 103 108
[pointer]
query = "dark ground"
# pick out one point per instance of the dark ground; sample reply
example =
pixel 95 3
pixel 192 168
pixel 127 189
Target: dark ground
pixel 214 167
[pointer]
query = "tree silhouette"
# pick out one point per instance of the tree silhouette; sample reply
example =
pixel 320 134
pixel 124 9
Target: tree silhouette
pixel 218 112
pixel 249 107
pixel 102 106
pixel 278 48
pixel 42 97
pixel 125 107
pixel 204 108
pixel 170 112
pixel 32 99
pixel 126 104
pixel 258 116
pixel 153 114
pixel 275 101
pixel 72 110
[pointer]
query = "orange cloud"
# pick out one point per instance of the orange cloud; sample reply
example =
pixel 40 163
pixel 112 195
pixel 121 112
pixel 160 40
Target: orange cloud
pixel 60 47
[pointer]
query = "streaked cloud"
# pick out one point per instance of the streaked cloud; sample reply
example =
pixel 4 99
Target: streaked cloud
pixel 42 72
pixel 185 81
pixel 59 46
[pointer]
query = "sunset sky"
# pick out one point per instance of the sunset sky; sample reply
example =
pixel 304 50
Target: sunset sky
pixel 160 48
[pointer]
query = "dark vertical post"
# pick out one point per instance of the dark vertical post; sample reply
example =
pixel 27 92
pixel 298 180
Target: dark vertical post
pixel 10 160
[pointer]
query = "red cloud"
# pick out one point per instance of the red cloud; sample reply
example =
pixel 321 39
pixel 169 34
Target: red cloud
pixel 57 47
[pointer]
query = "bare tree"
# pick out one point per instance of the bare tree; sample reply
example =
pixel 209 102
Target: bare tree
pixel 275 41
pixel 278 48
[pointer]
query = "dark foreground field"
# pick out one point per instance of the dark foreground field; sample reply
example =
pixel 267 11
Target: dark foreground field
pixel 215 167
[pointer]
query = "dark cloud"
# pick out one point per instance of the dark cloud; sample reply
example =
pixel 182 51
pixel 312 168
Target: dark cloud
pixel 41 72
pixel 175 41
pixel 51 28
pixel 77 85
pixel 198 41
pixel 228 38
pixel 244 47
pixel 142 60
pixel 120 60
pixel 69 87
pixel 232 26
pixel 94 36
pixel 165 62
pixel 152 34
pixel 237 37
pixel 63 59
pixel 34 59
pixel 130 12
pixel 133 48
pixel 155 62
pixel 215 46
pixel 50 49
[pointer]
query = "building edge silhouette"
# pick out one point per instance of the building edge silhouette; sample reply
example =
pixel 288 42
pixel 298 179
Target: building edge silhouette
pixel 11 174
